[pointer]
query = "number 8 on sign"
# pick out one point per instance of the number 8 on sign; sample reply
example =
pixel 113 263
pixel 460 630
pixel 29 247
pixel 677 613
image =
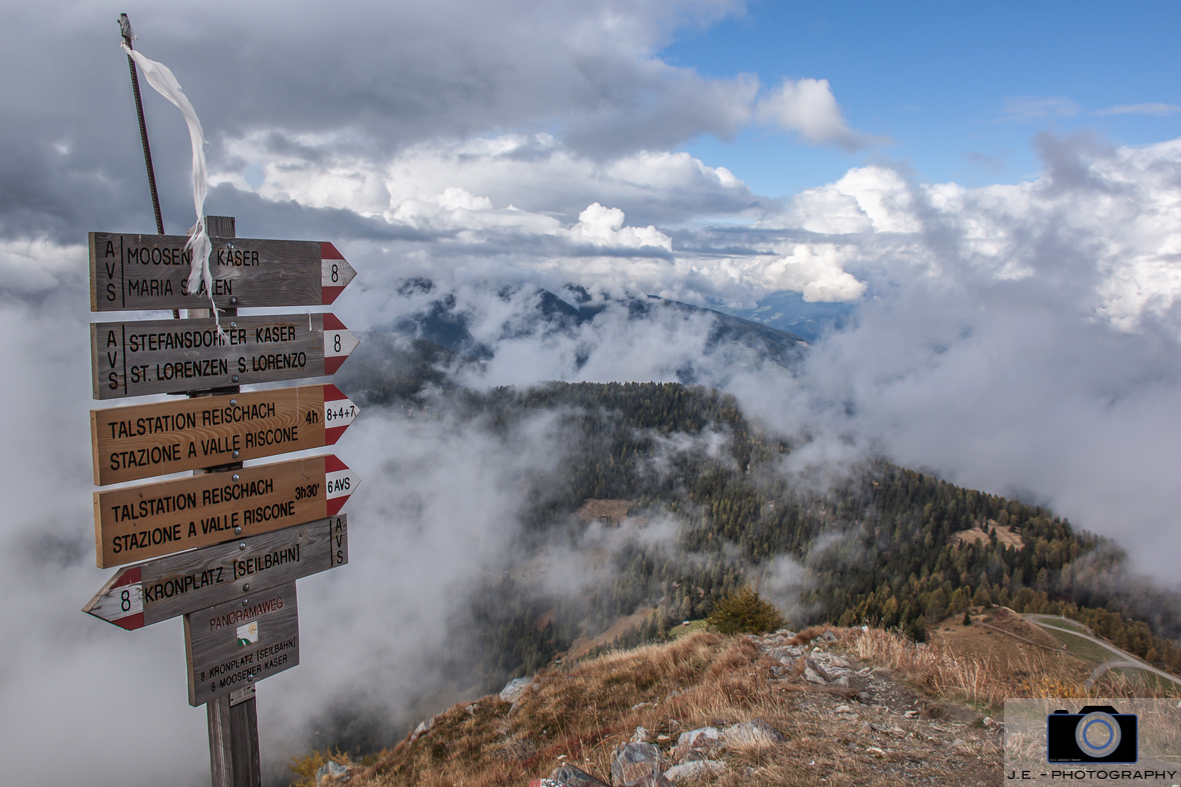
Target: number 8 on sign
pixel 338 343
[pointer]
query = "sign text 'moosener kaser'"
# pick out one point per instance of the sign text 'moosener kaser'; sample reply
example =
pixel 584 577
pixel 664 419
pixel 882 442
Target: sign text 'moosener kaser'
pixel 177 356
pixel 141 522
pixel 151 272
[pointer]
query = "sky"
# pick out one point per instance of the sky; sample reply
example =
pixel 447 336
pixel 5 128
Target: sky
pixel 993 191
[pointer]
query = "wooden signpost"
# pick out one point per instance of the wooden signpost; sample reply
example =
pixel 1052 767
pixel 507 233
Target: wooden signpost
pixel 160 589
pixel 224 546
pixel 240 642
pixel 167 356
pixel 152 520
pixel 151 271
pixel 146 440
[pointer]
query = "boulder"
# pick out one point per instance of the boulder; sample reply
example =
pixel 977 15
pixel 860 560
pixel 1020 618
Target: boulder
pixel 755 732
pixel 513 690
pixel 635 761
pixel 703 743
pixel 330 772
pixel 423 728
pixel 641 736
pixel 693 770
pixel 544 783
pixel 570 776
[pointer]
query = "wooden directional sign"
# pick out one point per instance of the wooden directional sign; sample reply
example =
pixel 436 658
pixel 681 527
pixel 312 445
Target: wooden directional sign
pixel 146 440
pixel 177 356
pixel 160 589
pixel 152 520
pixel 237 643
pixel 151 272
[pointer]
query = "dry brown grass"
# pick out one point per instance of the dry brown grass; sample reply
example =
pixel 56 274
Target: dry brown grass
pixel 1004 535
pixel 577 716
pixel 938 671
pixel 578 713
pixel 947 673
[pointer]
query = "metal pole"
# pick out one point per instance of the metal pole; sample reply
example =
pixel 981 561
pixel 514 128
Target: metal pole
pixel 125 28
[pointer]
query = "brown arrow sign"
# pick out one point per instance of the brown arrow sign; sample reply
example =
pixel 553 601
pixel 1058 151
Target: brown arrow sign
pixel 152 520
pixel 232 645
pixel 179 356
pixel 160 589
pixel 151 272
pixel 146 440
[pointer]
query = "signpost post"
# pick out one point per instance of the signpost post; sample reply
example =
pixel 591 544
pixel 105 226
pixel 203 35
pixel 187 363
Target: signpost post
pixel 224 546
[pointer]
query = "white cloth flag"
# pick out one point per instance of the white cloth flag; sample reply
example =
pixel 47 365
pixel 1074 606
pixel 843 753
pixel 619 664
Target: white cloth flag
pixel 162 79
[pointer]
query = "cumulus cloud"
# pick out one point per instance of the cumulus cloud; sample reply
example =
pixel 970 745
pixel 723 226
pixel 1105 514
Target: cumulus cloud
pixel 529 172
pixel 808 107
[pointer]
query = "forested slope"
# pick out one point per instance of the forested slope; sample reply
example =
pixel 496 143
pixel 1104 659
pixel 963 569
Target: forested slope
pixel 879 546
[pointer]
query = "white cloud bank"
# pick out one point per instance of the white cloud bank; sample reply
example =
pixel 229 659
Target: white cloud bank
pixel 808 107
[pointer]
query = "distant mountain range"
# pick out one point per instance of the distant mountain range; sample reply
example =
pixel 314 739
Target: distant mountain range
pixel 443 321
pixel 788 311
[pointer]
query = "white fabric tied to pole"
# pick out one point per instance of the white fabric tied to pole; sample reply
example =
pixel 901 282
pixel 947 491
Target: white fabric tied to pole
pixel 162 79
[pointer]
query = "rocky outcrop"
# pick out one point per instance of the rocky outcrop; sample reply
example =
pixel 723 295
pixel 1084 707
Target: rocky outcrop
pixel 704 743
pixel 688 771
pixel 513 690
pixel 636 765
pixel 570 776
pixel 331 773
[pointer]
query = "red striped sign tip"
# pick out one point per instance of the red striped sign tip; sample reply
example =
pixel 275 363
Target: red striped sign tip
pixel 340 483
pixel 339 412
pixel 339 341
pixel 121 602
pixel 335 272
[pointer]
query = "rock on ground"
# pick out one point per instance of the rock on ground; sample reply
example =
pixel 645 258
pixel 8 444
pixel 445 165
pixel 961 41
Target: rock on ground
pixel 571 776
pixel 634 762
pixel 702 743
pixel 693 770
pixel 513 690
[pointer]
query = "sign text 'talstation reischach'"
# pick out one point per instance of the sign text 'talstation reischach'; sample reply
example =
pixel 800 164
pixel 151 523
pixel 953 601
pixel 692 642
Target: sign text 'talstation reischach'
pixel 174 356
pixel 147 593
pixel 141 441
pixel 152 520
pixel 129 271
